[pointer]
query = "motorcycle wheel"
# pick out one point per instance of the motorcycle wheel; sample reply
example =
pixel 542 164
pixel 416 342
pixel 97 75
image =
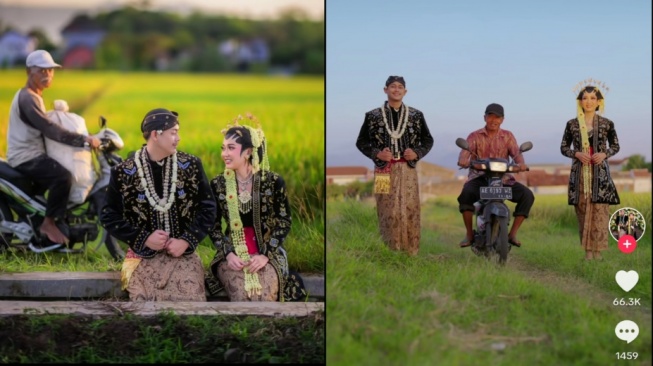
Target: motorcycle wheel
pixel 497 238
pixel 5 238
pixel 113 246
pixel 502 245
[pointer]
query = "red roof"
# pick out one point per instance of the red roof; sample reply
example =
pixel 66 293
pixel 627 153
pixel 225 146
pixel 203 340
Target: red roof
pixel 81 23
pixel 347 170
pixel 617 161
pixel 537 178
pixel 641 172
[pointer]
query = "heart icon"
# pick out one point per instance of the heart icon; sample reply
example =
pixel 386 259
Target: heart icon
pixel 627 280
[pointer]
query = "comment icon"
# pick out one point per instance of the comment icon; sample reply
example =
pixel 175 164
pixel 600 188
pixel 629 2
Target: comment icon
pixel 627 331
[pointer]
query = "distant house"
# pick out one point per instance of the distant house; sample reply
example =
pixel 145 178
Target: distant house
pixel 342 175
pixel 642 180
pixel 244 53
pixel 617 164
pixel 81 38
pixel 634 180
pixel 80 57
pixel 554 179
pixel 14 48
pixel 260 52
pixel 546 179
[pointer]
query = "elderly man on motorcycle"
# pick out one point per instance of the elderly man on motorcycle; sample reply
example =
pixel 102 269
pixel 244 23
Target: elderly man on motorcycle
pixel 26 152
pixel 492 142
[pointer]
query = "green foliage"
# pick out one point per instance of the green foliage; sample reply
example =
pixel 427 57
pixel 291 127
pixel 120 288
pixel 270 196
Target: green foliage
pixel 547 306
pixel 165 338
pixel 356 190
pixel 206 58
pixel 637 161
pixel 140 36
pixel 42 40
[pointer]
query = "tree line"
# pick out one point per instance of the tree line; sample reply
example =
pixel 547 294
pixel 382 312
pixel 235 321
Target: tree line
pixel 137 38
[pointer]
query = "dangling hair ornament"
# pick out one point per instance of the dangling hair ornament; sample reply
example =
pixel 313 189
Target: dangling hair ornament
pixel 602 88
pixel 259 141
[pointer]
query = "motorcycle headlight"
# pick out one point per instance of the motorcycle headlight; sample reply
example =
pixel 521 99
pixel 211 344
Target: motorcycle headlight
pixel 497 166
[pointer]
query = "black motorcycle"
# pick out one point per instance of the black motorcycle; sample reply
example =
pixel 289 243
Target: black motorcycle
pixel 22 206
pixel 492 214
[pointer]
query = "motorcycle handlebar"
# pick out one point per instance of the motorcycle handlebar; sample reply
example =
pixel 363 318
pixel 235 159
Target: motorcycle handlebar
pixel 104 144
pixel 484 165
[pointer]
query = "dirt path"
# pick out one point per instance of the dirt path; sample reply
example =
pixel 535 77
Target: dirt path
pixel 579 288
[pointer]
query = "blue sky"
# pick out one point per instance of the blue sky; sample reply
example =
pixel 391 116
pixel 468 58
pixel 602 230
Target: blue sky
pixel 459 56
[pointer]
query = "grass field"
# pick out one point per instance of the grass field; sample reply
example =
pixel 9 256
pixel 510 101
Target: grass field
pixel 291 111
pixel 447 306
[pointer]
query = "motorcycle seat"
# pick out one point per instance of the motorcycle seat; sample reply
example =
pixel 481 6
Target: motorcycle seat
pixel 16 178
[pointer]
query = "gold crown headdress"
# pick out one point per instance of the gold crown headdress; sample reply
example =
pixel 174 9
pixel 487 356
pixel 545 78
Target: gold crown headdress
pixel 258 141
pixel 591 82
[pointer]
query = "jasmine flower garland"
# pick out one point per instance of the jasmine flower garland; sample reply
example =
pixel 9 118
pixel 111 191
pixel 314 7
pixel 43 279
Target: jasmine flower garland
pixel 396 134
pixel 167 201
pixel 252 284
pixel 169 185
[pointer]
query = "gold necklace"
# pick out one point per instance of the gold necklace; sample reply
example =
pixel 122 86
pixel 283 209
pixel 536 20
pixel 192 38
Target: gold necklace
pixel 244 196
pixel 244 200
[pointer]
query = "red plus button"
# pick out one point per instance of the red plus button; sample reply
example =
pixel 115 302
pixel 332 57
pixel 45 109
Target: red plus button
pixel 627 244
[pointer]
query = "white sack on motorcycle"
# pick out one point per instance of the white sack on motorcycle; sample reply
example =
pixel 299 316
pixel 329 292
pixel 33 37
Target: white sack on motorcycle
pixel 78 160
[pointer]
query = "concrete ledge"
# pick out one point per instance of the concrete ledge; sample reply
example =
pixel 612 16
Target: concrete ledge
pixel 96 285
pixel 275 309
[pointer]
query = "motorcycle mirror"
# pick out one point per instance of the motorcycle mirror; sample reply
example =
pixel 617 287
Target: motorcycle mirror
pixel 103 122
pixel 526 146
pixel 462 143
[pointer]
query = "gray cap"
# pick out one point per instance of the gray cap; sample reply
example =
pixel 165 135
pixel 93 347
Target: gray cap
pixel 42 59
pixel 494 108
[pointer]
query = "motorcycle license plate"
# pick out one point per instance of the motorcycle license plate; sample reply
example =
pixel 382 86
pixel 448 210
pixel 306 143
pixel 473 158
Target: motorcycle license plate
pixel 496 193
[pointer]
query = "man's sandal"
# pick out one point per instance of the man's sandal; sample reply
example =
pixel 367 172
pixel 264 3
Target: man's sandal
pixel 514 242
pixel 465 243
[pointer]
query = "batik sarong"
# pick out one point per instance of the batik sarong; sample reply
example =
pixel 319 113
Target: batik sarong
pixel 399 211
pixel 593 221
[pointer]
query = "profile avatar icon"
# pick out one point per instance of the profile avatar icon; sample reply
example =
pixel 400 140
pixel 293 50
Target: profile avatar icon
pixel 627 221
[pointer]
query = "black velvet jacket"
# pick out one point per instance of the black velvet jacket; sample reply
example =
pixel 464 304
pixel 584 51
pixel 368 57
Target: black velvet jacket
pixel 272 222
pixel 373 136
pixel 603 139
pixel 128 216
